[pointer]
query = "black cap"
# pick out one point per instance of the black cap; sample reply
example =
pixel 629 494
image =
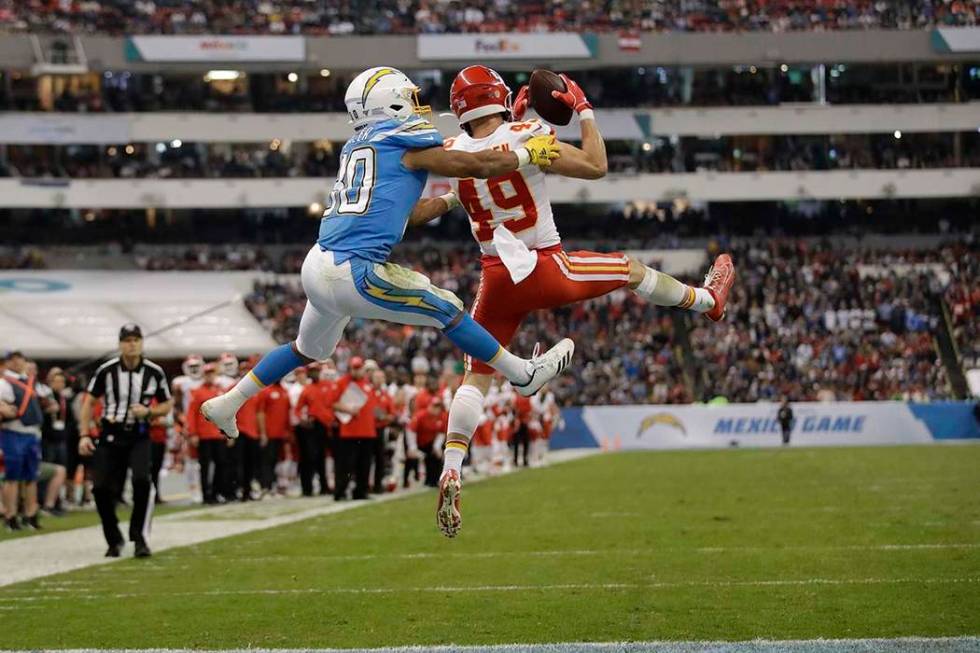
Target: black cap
pixel 129 330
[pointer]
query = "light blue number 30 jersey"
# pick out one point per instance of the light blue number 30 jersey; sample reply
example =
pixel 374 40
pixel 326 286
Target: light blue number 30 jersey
pixel 375 193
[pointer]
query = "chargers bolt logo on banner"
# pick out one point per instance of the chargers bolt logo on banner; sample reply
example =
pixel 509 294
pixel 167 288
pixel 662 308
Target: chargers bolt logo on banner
pixel 667 419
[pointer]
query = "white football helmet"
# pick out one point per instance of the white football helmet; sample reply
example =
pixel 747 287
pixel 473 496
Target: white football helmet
pixel 193 366
pixel 382 93
pixel 228 364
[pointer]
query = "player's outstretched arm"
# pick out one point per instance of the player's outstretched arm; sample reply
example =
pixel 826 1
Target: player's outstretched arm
pixel 590 161
pixel 539 151
pixel 427 210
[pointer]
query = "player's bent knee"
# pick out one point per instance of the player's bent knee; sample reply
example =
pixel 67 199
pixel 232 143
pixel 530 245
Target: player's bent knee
pixel 308 359
pixel 637 271
pixel 308 351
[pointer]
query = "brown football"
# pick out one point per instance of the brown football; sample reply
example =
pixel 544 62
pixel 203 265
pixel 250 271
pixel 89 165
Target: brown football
pixel 540 86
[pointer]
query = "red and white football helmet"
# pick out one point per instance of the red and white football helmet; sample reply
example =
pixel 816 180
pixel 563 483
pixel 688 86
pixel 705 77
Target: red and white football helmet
pixel 193 366
pixel 228 364
pixel 478 91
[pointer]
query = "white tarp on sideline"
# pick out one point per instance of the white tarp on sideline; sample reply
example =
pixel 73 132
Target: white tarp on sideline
pixel 77 314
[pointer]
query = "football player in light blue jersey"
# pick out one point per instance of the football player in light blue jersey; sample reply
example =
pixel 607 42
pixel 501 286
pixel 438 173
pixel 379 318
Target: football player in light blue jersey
pixel 383 169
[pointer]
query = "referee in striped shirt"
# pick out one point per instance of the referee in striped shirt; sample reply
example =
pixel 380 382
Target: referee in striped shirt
pixel 127 384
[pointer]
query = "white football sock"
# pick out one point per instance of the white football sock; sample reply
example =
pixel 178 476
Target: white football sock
pixel 247 387
pixel 464 417
pixel 664 290
pixel 515 368
pixel 703 301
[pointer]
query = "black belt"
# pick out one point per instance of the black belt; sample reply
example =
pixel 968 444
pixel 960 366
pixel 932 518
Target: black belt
pixel 134 431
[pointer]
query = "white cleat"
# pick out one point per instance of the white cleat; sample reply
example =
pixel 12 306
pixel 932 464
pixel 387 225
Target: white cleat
pixel 546 367
pixel 221 412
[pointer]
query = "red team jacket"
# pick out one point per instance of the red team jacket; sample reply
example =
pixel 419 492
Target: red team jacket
pixel 386 405
pixel 248 421
pixel 316 401
pixel 158 427
pixel 363 425
pixel 196 424
pixel 428 427
pixel 274 403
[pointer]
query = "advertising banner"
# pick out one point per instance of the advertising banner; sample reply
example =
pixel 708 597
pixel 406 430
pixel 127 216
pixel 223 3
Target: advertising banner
pixel 63 128
pixel 488 47
pixel 755 425
pixel 215 49
pixel 956 39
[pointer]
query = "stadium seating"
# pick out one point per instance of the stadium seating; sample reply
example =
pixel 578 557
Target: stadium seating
pixel 806 323
pixel 391 17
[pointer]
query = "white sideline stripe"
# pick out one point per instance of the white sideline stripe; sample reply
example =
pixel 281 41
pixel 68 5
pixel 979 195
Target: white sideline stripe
pixel 29 558
pixel 890 645
pixel 148 515
pixel 562 553
pixel 9 597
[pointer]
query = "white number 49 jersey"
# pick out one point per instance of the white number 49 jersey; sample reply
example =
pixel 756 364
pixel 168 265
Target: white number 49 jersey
pixel 519 199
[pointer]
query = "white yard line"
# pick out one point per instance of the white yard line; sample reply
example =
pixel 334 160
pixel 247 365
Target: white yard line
pixel 573 553
pixel 892 645
pixel 27 558
pixel 14 596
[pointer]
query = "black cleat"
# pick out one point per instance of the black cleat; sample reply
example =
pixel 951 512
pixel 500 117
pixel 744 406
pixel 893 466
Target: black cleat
pixel 13 524
pixel 114 551
pixel 142 550
pixel 33 522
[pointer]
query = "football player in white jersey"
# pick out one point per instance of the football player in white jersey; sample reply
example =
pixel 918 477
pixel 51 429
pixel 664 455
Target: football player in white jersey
pixel 183 385
pixel 524 267
pixel 228 373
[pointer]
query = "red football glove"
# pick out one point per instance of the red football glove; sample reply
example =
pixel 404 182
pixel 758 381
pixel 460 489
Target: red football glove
pixel 573 97
pixel 519 107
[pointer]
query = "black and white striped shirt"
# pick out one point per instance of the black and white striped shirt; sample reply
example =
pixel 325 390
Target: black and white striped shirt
pixel 120 387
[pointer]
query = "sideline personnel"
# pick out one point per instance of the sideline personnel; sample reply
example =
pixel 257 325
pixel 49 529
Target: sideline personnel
pixel 127 385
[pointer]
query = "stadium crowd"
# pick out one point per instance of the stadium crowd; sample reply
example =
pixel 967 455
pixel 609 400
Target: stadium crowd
pixel 813 322
pixel 808 322
pixel 661 155
pixel 334 17
pixel 167 161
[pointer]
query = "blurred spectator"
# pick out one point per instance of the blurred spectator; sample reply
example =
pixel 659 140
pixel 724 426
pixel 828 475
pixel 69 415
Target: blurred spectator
pixel 59 431
pixel 354 404
pixel 21 419
pixel 212 448
pixel 272 411
pixel 425 435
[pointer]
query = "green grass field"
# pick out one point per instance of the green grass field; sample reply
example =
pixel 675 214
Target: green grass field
pixel 720 545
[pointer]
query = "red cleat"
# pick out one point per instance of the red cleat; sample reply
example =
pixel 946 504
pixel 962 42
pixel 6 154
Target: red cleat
pixel 447 513
pixel 718 282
